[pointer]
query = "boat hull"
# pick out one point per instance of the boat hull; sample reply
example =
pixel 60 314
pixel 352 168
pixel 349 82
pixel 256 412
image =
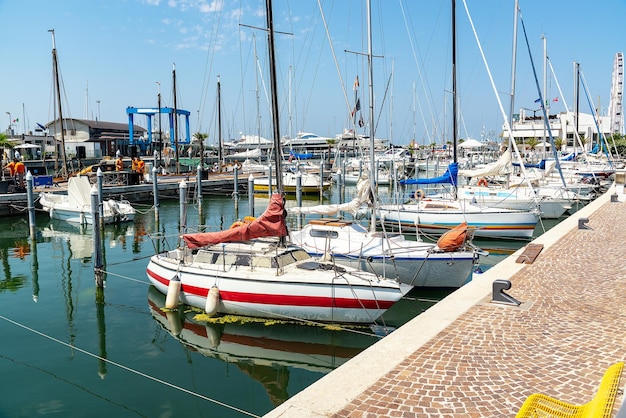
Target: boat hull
pixel 488 223
pixel 294 294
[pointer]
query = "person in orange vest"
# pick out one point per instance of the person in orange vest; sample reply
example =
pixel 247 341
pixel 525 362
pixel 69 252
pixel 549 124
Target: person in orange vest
pixel 20 170
pixel 11 167
pixel 119 164
pixel 133 165
pixel 139 165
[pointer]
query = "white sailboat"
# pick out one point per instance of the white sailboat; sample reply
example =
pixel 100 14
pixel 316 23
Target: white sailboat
pixel 391 255
pixel 250 270
pixel 437 215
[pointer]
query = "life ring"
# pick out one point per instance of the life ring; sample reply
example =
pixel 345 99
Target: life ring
pixel 419 193
pixel 483 182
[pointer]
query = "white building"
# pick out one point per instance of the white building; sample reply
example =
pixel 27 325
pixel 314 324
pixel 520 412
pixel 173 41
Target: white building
pixel 94 139
pixel 562 125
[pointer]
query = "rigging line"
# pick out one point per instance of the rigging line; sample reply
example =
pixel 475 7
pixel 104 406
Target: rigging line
pixel 123 277
pixel 594 113
pixel 121 366
pixel 507 126
pixel 421 78
pixel 557 84
pixel 332 49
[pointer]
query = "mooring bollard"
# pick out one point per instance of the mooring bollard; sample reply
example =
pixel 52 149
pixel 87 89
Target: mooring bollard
pixel 30 204
pixel 99 180
pixel 155 193
pixel 183 206
pixel 97 242
pixel 251 195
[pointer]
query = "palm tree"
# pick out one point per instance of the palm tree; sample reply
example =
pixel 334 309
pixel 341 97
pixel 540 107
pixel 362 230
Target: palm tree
pixel 5 143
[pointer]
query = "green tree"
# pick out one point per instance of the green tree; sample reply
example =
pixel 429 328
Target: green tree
pixel 5 143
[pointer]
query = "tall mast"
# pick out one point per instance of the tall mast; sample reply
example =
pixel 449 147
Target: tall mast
pixel 220 154
pixel 454 93
pixel 55 65
pixel 372 124
pixel 513 65
pixel 175 120
pixel 160 143
pixel 273 82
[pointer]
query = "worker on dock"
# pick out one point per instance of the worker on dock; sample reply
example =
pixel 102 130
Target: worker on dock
pixel 11 167
pixel 119 164
pixel 139 165
pixel 20 171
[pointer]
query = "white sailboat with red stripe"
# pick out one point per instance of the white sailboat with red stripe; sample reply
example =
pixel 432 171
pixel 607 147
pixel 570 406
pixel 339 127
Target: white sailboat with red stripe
pixel 255 276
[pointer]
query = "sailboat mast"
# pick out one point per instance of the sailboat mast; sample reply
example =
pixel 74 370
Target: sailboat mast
pixel 175 120
pixel 454 93
pixel 275 118
pixel 55 64
pixel 372 156
pixel 220 153
pixel 513 65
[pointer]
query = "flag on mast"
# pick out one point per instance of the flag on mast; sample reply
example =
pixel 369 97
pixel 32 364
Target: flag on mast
pixel 356 83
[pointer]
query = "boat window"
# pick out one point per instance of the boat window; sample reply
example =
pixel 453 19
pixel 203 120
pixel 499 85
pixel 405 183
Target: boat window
pixel 320 233
pixel 242 260
pixel 205 257
pixel 300 255
pixel 264 262
pixel 227 259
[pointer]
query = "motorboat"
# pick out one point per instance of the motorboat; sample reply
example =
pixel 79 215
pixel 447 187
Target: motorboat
pixel 75 205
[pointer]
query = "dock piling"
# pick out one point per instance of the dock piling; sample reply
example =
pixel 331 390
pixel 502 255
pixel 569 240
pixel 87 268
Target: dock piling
pixel 199 189
pixel 155 192
pixel 183 206
pixel 251 195
pixel 30 204
pixel 97 242
pixel 236 188
pixel 99 179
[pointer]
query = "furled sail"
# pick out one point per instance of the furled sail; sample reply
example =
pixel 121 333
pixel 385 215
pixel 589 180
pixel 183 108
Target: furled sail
pixel 352 207
pixel 270 224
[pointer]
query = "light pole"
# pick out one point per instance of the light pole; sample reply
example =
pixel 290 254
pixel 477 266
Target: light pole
pixel 10 121
pixel 98 101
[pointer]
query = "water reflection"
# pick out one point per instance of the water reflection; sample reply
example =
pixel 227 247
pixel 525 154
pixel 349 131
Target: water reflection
pixel 14 243
pixel 265 352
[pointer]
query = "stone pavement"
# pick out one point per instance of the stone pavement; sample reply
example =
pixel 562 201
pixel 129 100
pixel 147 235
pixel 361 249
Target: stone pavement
pixel 468 357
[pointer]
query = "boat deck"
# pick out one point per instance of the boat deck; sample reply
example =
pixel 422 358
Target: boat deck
pixel 470 357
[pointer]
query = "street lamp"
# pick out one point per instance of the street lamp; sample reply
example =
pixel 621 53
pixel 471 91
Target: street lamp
pixel 98 101
pixel 10 122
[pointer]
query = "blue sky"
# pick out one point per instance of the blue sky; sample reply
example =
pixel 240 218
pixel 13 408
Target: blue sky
pixel 115 51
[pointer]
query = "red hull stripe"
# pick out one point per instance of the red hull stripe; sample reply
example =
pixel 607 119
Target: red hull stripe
pixel 286 300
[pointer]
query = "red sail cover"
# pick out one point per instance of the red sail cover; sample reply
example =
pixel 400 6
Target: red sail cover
pixel 270 224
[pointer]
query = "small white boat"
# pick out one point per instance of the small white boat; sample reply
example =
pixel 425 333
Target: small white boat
pixel 240 271
pixel 310 182
pixel 75 206
pixel 391 255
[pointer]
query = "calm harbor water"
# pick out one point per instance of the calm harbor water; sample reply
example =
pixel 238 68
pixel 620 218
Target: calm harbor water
pixel 68 350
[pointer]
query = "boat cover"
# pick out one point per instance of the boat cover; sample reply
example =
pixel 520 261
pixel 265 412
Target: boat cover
pixel 449 177
pixel 270 224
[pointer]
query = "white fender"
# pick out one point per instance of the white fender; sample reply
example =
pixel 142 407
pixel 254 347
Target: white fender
pixel 212 301
pixel 173 293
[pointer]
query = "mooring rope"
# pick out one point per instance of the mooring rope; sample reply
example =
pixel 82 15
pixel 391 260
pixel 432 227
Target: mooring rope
pixel 121 366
